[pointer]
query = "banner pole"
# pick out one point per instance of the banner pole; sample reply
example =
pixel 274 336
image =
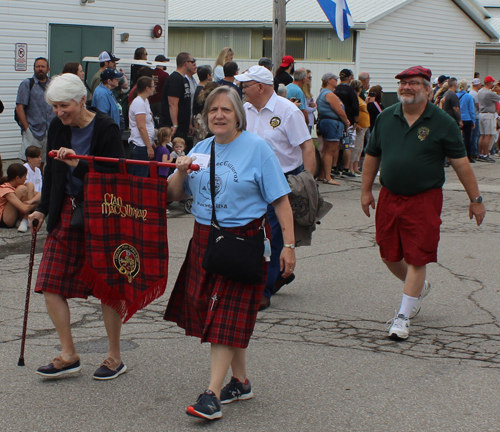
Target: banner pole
pixel 192 167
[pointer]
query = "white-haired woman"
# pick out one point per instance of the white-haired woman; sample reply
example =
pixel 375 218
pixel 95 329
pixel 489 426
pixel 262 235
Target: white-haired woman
pixel 75 130
pixel 468 116
pixel 214 308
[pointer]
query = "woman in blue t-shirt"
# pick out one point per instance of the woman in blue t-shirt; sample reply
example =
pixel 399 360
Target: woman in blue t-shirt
pixel 214 308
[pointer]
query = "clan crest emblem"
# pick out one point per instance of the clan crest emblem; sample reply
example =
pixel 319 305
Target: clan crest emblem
pixel 126 261
pixel 423 133
pixel 275 122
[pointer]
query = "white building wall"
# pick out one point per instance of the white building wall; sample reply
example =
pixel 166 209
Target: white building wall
pixel 27 21
pixel 434 34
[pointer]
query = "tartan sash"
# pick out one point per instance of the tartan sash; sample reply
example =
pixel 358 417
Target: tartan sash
pixel 125 239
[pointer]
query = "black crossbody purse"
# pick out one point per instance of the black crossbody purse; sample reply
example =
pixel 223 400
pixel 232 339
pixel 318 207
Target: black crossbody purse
pixel 236 257
pixel 78 217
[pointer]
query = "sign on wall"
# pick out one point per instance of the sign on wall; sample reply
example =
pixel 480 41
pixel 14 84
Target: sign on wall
pixel 21 57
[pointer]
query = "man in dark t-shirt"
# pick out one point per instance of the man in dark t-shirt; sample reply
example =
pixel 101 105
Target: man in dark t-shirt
pixel 408 144
pixel 348 95
pixel 159 76
pixel 176 98
pixel 349 98
pixel 230 70
pixel 451 104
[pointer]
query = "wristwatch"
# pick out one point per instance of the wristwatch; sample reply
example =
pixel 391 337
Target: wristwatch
pixel 175 126
pixel 478 200
pixel 291 245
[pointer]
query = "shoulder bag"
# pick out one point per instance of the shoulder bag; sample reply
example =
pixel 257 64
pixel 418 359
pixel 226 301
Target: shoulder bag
pixel 233 256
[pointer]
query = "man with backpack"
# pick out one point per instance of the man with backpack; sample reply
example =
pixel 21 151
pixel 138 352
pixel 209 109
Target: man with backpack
pixel 32 113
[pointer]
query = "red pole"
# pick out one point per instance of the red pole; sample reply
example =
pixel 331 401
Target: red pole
pixel 53 154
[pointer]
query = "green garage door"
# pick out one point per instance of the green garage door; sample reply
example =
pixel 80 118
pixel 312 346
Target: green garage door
pixel 70 43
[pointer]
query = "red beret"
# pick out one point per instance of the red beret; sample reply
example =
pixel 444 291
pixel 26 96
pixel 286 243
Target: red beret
pixel 415 71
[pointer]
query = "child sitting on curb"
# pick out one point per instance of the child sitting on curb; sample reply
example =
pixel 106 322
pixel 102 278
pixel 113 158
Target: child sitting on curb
pixel 17 199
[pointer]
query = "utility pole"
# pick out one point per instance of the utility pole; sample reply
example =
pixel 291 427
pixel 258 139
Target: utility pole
pixel 279 31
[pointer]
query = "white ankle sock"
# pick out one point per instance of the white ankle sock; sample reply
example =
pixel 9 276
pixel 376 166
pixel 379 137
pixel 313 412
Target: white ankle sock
pixel 407 304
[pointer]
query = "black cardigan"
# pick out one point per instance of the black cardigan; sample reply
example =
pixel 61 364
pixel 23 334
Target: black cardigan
pixel 106 141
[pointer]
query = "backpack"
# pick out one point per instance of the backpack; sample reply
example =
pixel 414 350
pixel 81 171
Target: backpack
pixel 16 118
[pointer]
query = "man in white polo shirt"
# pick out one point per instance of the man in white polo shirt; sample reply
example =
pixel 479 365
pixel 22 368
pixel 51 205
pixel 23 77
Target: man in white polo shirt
pixel 282 125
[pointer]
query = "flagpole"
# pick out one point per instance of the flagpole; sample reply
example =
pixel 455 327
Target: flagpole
pixel 279 32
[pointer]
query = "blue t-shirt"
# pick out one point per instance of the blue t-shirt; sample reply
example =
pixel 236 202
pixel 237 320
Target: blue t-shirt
pixel 81 138
pixel 104 101
pixel 248 177
pixel 293 90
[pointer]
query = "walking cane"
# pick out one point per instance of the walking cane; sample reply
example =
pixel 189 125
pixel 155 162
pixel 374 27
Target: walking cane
pixel 28 290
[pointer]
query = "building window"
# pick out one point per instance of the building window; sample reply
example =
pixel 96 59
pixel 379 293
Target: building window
pixel 191 40
pixel 238 40
pixel 325 45
pixel 314 45
pixel 295 43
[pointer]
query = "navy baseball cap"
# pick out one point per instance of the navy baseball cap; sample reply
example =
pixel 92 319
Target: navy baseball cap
pixel 109 73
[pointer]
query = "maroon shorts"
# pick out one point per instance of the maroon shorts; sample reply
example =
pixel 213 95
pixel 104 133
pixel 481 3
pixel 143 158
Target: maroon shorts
pixel 408 226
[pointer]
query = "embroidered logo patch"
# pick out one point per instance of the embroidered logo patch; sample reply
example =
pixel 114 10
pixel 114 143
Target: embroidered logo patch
pixel 423 133
pixel 126 260
pixel 275 122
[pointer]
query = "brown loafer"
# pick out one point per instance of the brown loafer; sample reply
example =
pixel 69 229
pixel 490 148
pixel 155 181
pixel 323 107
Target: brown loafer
pixel 283 281
pixel 264 303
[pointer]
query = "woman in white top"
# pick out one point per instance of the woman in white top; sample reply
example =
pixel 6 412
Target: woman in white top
pixel 142 128
pixel 225 55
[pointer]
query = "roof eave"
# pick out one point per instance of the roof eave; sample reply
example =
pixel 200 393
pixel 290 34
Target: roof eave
pixel 257 24
pixel 478 14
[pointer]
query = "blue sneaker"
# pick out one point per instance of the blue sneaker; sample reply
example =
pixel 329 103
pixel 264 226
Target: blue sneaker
pixel 110 369
pixel 206 407
pixel 235 390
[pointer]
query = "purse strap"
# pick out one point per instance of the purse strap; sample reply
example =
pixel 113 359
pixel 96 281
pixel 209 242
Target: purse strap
pixel 215 223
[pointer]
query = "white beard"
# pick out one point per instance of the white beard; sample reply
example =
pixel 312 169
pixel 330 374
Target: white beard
pixel 409 99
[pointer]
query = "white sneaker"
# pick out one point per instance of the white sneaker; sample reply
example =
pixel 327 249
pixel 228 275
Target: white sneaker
pixel 400 328
pixel 416 308
pixel 23 226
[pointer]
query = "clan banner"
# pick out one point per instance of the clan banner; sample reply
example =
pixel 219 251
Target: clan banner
pixel 126 239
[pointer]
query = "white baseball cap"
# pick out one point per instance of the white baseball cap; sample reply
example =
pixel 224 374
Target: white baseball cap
pixel 107 56
pixel 435 81
pixel 476 81
pixel 256 73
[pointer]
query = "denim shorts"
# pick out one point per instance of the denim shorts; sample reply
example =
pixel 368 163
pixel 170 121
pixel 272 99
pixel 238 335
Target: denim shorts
pixel 331 130
pixel 138 153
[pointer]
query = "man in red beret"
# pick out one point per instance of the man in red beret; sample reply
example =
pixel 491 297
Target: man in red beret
pixel 409 144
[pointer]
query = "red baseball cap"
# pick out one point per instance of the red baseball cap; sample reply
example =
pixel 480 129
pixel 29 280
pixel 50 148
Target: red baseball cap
pixel 287 61
pixel 489 79
pixel 415 71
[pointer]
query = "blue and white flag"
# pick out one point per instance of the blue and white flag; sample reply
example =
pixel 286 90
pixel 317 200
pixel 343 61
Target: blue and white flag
pixel 339 16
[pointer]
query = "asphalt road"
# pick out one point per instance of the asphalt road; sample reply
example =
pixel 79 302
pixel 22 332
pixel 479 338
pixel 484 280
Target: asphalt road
pixel 320 358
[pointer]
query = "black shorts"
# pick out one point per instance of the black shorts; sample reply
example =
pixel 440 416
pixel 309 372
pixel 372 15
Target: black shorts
pixel 3 224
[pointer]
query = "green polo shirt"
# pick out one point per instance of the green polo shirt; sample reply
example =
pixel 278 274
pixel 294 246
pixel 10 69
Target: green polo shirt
pixel 412 158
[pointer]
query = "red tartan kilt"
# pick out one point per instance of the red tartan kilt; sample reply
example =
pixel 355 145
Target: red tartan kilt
pixel 231 321
pixel 63 259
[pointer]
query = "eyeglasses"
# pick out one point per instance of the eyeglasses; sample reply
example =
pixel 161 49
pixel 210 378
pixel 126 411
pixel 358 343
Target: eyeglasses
pixel 410 83
pixel 191 61
pixel 244 86
pixel 310 77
